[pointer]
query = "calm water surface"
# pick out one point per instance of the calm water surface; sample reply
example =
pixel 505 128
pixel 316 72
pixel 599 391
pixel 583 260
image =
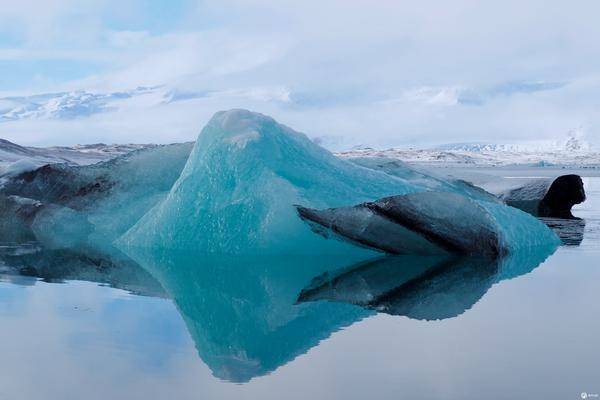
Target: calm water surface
pixel 86 325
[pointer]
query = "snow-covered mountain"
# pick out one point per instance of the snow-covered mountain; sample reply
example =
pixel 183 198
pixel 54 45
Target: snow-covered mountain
pixel 64 105
pixel 574 142
pixel 78 104
pixel 11 153
pixel 497 158
pixel 486 147
pixel 14 156
pixel 573 152
pixel 579 159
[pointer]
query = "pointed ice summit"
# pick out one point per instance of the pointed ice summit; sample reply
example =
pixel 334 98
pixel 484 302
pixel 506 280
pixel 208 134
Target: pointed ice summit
pixel 237 191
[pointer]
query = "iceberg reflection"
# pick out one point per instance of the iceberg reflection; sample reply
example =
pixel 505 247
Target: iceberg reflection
pixel 425 288
pixel 570 231
pixel 107 267
pixel 249 316
pixel 242 312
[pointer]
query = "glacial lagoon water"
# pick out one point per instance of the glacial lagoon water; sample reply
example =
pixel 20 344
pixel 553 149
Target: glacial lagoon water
pixel 83 324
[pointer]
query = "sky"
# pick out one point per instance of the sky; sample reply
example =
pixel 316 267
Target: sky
pixel 380 73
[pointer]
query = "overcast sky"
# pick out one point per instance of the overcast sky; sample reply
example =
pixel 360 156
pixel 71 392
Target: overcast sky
pixel 382 73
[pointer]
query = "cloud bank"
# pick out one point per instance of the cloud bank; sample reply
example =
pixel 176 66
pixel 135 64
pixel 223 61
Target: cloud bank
pixel 379 73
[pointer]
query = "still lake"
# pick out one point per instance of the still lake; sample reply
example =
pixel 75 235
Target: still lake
pixel 82 325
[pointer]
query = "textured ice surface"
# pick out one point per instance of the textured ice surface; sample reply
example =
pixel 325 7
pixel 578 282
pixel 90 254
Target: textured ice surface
pixel 237 191
pixel 434 223
pixel 426 179
pixel 97 202
pixel 553 201
pixel 15 216
pixel 525 195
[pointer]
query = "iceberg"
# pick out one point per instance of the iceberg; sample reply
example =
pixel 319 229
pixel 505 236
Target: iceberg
pixel 425 178
pixel 60 204
pixel 547 198
pixel 237 191
pixel 233 191
pixel 541 197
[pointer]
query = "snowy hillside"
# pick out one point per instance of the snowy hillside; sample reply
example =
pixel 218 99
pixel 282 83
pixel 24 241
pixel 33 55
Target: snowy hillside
pixel 79 154
pixel 574 152
pixel 571 152
pixel 480 155
pixel 487 158
pixel 574 141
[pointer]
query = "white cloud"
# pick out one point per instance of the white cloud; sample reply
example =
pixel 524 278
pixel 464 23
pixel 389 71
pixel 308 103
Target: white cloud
pixel 444 96
pixel 383 72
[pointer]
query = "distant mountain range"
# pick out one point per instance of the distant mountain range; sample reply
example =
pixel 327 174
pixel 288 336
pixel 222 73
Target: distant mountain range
pixel 81 104
pixel 435 157
pixel 78 155
pixel 78 104
pixel 573 142
pixel 64 105
pixel 14 156
pixel 572 152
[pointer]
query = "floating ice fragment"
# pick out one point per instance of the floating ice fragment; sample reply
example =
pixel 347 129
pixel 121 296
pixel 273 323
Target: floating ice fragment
pixel 551 198
pixel 433 223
